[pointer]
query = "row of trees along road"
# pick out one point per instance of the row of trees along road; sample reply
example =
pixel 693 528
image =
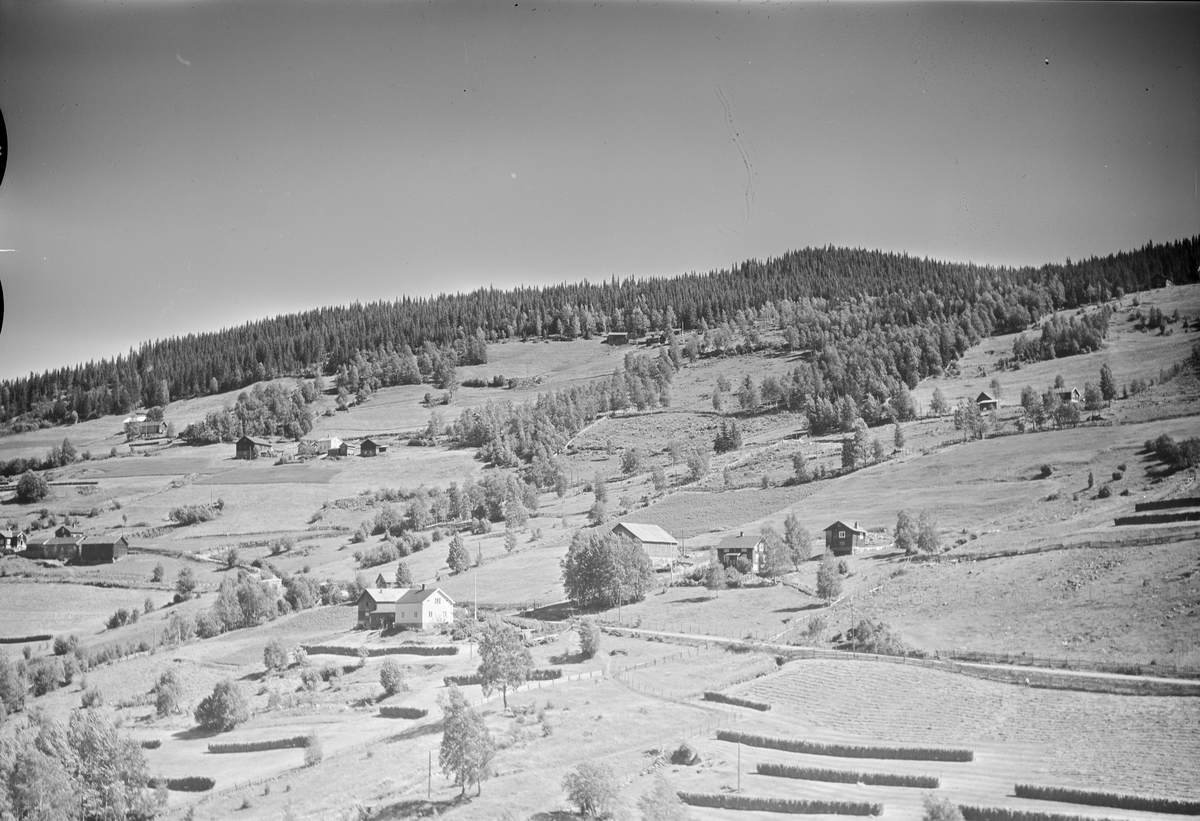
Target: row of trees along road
pixel 823 299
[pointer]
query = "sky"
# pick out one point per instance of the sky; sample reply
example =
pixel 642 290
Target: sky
pixel 179 167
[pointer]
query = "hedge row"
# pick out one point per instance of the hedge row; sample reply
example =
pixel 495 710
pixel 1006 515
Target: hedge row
pixel 193 783
pixel 928 782
pixel 710 695
pixel 795 745
pixel 970 813
pixel 1096 798
pixel 404 649
pixel 26 639
pixel 259 746
pixel 151 743
pixel 732 801
pixel 403 712
pixel 548 674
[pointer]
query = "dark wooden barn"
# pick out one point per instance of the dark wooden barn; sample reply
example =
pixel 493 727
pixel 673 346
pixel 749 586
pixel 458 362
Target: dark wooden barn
pixel 841 538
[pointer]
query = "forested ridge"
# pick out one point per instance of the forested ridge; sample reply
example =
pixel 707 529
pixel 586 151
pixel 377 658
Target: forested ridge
pixel 901 291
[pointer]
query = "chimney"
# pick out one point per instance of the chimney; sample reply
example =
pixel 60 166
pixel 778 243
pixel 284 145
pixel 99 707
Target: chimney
pixel 422 587
pixel 741 533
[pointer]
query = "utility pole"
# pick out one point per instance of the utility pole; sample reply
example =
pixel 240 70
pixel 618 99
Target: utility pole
pixel 429 778
pixel 739 767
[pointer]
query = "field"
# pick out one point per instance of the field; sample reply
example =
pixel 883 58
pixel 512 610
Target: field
pixel 1107 599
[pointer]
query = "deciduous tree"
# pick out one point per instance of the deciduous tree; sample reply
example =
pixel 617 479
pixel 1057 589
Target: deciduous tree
pixel 504 661
pixel 467 748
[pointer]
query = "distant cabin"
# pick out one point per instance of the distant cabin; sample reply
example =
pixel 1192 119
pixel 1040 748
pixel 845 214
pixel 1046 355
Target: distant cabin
pixel 660 546
pixel 1161 281
pixel 151 429
pixel 369 447
pixel 617 339
pixel 986 401
pixel 381 583
pixel 103 552
pixel 250 447
pixel 1072 396
pixel 841 539
pixel 731 549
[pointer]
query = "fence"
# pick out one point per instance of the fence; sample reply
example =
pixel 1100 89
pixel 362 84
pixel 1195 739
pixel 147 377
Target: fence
pixel 1165 504
pixel 1129 541
pixel 1158 518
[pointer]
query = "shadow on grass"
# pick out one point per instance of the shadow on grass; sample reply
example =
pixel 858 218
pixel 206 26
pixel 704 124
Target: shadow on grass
pixel 557 815
pixel 418 731
pixel 568 658
pixel 259 676
pixel 419 808
pixel 693 600
pixel 194 733
pixel 803 607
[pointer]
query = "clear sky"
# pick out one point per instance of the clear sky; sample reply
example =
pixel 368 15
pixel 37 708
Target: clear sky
pixel 179 167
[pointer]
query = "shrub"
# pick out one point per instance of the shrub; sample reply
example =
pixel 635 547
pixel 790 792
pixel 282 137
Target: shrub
pixel 225 708
pixel 92 697
pixel 589 638
pixel 194 514
pixel 159 572
pixel 313 754
pixel 391 677
pixel 1046 470
pixel 1117 476
pixel 685 755
pixel 151 743
pixel 45 675
pixel 31 487
pixel 721 698
pixel 876 637
pixel 275 655
pixel 940 809
pixel 388 711
pixel 848 776
pixel 193 783
pixel 795 745
pixel 65 644
pixel 1104 492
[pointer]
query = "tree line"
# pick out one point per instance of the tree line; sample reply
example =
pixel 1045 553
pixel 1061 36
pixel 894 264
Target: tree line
pixel 874 292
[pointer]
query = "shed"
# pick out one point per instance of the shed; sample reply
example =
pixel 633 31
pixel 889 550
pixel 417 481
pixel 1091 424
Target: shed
pixel 103 552
pixel 250 447
pixel 617 339
pixel 369 447
pixel 424 608
pixel 151 428
pixel 660 546
pixel 841 539
pixel 986 401
pixel 745 546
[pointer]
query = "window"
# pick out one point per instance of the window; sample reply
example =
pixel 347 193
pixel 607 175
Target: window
pixel 841 534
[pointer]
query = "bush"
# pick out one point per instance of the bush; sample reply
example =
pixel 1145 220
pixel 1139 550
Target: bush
pixel 1117 476
pixel 65 644
pixel 1046 470
pixel 313 754
pixel 391 677
pixel 589 638
pixel 794 745
pixel 403 712
pixel 1099 798
pixel 31 487
pixel 876 637
pixel 733 801
pixel 259 746
pixel 45 675
pixel 1104 492
pixel 92 697
pixel 159 572
pixel 194 514
pixel 721 698
pixel 275 655
pixel 193 783
pixel 226 708
pixel 940 809
pixel 848 776
pixel 685 755
pixel 151 743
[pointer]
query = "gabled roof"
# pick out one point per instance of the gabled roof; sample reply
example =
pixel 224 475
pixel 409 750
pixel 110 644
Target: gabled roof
pixel 840 525
pixel 389 596
pixel 647 533
pixel 369 441
pixel 984 396
pixel 416 595
pixel 254 440
pixel 63 540
pixel 740 541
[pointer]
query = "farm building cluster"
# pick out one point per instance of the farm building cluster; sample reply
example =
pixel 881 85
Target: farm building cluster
pixel 414 608
pixel 253 447
pixel 69 547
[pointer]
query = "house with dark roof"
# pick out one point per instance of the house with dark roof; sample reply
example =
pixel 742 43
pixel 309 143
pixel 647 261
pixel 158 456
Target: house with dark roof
pixel 99 551
pixel 251 447
pixel 617 338
pixel 660 546
pixel 63 548
pixel 1072 396
pixel 841 539
pixel 12 541
pixel 424 608
pixel 369 447
pixel 985 401
pixel 741 551
pixel 377 608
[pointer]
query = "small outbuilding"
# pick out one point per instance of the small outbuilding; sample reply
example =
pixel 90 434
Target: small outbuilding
pixel 841 539
pixel 1072 396
pixel 250 447
pixel 60 548
pixel 377 608
pixel 744 549
pixel 617 338
pixel 369 447
pixel 102 551
pixel 660 546
pixel 985 401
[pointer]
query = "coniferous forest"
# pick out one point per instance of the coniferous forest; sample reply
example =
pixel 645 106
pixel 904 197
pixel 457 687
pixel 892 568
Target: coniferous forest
pixel 872 319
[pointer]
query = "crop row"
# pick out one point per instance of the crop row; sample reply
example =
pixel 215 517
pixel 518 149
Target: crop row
pixel 971 813
pixel 710 695
pixel 259 746
pixel 795 745
pixel 548 674
pixel 26 639
pixel 1098 798
pixel 731 801
pixel 928 782
pixel 391 711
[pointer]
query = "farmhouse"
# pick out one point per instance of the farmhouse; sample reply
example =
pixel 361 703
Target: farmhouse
pixel 377 608
pixel 12 541
pixel 424 608
pixel 369 447
pixel 841 539
pixel 660 546
pixel 332 446
pixel 1072 396
pixel 742 549
pixel 617 339
pixel 250 447
pixel 64 547
pixel 985 401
